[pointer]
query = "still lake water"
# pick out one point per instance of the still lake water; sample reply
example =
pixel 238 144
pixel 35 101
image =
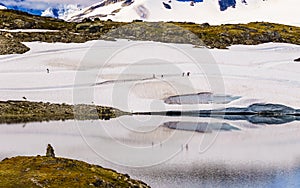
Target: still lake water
pixel 170 151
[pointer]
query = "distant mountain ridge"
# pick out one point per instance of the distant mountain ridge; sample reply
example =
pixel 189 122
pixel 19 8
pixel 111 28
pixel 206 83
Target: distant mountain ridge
pixel 2 6
pixel 198 11
pixel 62 11
pixel 15 6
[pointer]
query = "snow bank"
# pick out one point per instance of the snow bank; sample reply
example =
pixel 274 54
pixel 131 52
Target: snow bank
pixel 2 7
pixel 257 74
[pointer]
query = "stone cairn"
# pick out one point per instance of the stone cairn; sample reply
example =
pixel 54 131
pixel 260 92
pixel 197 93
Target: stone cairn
pixel 50 151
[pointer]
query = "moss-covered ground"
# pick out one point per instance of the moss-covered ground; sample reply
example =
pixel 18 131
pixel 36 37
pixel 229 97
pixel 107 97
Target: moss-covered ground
pixel 24 172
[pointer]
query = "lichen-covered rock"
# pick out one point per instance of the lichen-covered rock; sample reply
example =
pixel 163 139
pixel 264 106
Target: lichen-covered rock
pixel 94 28
pixel 20 24
pixel 160 32
pixel 82 26
pixel 89 27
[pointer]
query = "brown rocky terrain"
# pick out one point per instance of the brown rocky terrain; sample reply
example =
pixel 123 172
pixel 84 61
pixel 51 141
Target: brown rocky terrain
pixel 220 36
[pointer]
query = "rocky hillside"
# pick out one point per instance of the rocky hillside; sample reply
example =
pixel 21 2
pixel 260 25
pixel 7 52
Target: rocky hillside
pixel 10 45
pixel 220 36
pixel 59 172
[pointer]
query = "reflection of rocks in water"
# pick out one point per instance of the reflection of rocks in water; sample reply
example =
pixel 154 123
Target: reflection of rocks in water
pixel 271 109
pixel 263 114
pixel 203 127
pixel 260 114
pixel 200 98
pixel 256 114
pixel 270 120
pixel 258 119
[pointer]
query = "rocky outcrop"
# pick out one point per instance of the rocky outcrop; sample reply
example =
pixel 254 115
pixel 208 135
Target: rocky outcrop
pixel 90 28
pixel 297 60
pixel 10 46
pixel 160 32
pixel 11 19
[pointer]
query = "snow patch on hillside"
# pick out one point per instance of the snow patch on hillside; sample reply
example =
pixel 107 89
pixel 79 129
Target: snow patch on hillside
pixel 61 12
pixel 2 7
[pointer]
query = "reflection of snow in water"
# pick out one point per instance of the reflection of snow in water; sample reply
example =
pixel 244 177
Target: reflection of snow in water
pixel 200 98
pixel 203 127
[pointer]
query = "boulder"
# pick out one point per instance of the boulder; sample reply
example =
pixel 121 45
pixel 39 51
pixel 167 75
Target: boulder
pixel 20 24
pixel 89 27
pixel 94 28
pixel 82 26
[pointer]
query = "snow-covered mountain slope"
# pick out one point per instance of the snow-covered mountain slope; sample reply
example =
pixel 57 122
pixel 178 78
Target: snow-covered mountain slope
pixel 62 12
pixel 198 11
pixel 2 7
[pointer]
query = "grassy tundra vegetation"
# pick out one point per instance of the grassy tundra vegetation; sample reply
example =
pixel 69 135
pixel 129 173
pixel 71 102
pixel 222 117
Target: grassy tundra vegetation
pixel 44 171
